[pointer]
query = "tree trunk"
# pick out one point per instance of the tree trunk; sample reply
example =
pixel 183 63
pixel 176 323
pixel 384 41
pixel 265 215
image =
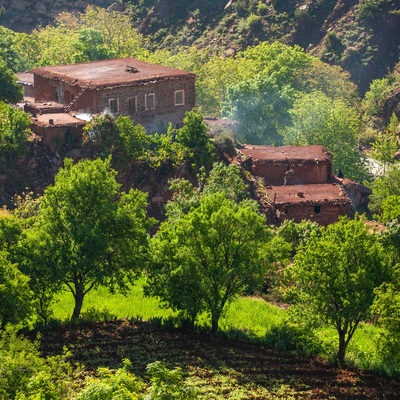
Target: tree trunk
pixel 342 348
pixel 79 294
pixel 214 321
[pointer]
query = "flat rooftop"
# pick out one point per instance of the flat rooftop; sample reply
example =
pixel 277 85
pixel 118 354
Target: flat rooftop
pixel 59 119
pixel 313 194
pixel 300 153
pixel 25 77
pixel 110 73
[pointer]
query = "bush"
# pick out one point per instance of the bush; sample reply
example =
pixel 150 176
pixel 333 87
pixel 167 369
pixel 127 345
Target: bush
pixel 25 375
pixel 292 338
pixel 368 10
pixel 112 385
pixel 167 384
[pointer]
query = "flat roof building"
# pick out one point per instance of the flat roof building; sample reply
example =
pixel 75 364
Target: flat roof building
pixel 152 95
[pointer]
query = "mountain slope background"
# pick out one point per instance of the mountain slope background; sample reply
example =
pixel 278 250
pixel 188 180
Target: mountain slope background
pixel 362 36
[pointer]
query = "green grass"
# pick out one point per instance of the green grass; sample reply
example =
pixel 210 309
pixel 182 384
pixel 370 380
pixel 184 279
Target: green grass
pixel 134 305
pixel 246 317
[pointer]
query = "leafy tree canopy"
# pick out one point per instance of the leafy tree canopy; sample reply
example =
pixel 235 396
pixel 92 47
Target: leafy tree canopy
pixel 93 235
pixel 15 295
pixel 96 33
pixel 208 256
pixel 317 119
pixel 10 90
pixel 14 130
pixel 383 187
pixel 193 135
pixel 334 277
pixel 221 179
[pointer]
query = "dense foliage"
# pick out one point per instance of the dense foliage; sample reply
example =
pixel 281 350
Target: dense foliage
pixel 87 233
pixel 334 276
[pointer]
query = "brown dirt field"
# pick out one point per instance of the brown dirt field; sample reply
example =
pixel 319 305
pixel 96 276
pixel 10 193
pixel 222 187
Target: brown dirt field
pixel 205 357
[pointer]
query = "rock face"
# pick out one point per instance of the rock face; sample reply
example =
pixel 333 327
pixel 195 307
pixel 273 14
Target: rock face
pixel 25 15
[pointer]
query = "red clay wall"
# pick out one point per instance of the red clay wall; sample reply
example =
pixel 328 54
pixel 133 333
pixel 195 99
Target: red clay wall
pixel 328 214
pixel 165 110
pixel 95 101
pixel 53 137
pixel 45 89
pixel 275 173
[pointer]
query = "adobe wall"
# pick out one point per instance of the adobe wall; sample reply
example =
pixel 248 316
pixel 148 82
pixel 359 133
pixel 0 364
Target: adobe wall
pixel 329 213
pixel 281 173
pixel 165 110
pixel 54 137
pixel 45 89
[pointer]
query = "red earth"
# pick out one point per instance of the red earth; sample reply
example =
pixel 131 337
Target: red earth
pixel 107 343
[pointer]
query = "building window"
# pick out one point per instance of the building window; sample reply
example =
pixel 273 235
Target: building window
pixel 150 101
pixel 113 105
pixel 132 105
pixel 317 209
pixel 179 97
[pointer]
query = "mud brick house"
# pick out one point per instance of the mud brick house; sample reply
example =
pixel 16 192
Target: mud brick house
pixel 57 128
pixel 151 95
pixel 300 185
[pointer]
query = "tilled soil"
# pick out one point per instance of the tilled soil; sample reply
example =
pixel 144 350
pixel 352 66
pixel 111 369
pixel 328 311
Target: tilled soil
pixel 211 359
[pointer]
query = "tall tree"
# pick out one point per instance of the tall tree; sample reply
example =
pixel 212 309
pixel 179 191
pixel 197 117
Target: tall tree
pixel 208 256
pixel 10 90
pixel 193 135
pixel 317 119
pixel 93 235
pixel 14 131
pixel 15 295
pixel 334 277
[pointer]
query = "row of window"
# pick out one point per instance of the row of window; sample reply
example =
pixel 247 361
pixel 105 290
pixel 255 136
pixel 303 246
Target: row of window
pixel 149 102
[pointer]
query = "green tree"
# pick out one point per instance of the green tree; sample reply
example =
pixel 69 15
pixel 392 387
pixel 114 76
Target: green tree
pixel 227 179
pixel 10 90
pixel 90 46
pixel 193 135
pixel 383 187
pixel 386 143
pixel 208 256
pixel 387 308
pixel 334 277
pixel 374 100
pixel 317 119
pixel 14 131
pixel 261 107
pixel 15 295
pixel 95 236
pixel 297 234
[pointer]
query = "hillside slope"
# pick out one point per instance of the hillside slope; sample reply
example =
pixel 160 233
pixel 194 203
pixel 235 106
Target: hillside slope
pixel 363 36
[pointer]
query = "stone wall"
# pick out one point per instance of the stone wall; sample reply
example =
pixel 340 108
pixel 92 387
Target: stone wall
pixel 326 213
pixel 290 173
pixel 95 101
pixel 25 15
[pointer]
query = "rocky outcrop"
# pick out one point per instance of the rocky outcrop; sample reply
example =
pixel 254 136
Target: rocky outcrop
pixel 25 15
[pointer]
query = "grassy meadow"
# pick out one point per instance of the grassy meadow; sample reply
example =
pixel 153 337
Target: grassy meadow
pixel 250 318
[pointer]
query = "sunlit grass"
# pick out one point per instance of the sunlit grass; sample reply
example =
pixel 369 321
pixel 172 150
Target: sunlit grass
pixel 252 316
pixel 133 305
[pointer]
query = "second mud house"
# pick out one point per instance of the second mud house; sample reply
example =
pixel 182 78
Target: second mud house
pixel 300 185
pixel 151 95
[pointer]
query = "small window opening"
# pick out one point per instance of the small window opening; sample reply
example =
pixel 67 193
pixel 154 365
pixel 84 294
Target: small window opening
pixel 150 101
pixel 317 209
pixel 113 106
pixel 179 97
pixel 132 105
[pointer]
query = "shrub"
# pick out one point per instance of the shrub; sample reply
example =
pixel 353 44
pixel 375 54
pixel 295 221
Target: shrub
pixel 167 384
pixel 112 385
